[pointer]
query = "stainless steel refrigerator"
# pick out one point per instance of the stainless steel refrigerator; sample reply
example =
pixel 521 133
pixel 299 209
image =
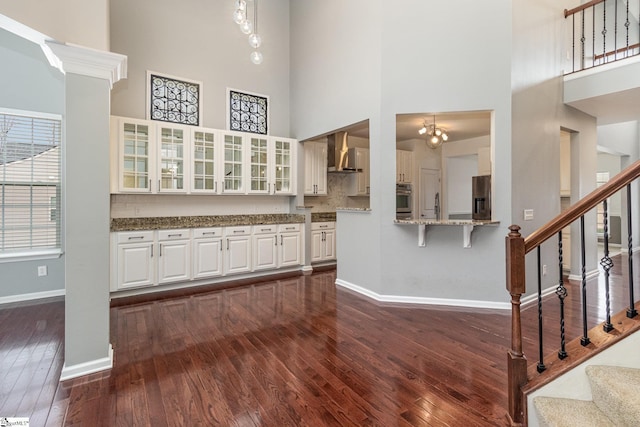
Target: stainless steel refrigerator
pixel 481 194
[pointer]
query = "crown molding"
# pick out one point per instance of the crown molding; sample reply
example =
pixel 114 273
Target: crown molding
pixel 86 61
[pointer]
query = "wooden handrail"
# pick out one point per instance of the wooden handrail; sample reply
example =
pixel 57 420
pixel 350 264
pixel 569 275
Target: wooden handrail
pixel 582 7
pixel 589 202
pixel 614 52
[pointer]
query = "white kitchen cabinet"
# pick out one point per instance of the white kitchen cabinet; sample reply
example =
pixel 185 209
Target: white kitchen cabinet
pixel 284 166
pixel 404 166
pixel 264 242
pixel 205 147
pixel 174 255
pixel 315 168
pixel 323 241
pixel 360 181
pixel 135 262
pixel 237 257
pixel 290 245
pixel 172 158
pixel 233 163
pixel 207 252
pixel 132 155
pixel 259 171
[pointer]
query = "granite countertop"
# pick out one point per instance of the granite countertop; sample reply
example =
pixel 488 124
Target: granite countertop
pixel 354 209
pixel 445 222
pixel 323 216
pixel 169 222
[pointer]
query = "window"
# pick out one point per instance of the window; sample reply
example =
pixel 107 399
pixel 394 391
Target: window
pixel 248 112
pixel 174 100
pixel 29 183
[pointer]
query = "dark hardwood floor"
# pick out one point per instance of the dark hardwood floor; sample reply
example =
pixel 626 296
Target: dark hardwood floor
pixel 290 352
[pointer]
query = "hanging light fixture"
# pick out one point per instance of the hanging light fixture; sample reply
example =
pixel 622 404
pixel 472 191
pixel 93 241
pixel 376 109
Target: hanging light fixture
pixel 435 135
pixel 247 27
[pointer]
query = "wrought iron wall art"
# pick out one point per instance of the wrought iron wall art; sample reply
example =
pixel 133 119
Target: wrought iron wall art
pixel 175 101
pixel 248 112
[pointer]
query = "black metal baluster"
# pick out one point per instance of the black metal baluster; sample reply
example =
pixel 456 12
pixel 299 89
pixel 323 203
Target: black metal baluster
pixel 627 23
pixel 582 40
pixel 593 36
pixel 606 264
pixel 540 366
pixel 585 336
pixel 631 311
pixel 561 291
pixel 604 32
pixel 573 42
pixel 615 32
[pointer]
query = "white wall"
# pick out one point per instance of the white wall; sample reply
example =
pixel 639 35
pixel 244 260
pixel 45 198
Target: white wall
pixel 81 22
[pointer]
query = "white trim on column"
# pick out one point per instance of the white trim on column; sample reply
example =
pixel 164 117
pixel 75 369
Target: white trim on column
pixel 86 368
pixel 89 62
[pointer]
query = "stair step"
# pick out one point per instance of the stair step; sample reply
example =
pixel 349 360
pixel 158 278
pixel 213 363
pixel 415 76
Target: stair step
pixel 561 412
pixel 616 392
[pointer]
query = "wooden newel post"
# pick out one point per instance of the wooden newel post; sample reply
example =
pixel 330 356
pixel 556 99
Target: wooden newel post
pixel 516 362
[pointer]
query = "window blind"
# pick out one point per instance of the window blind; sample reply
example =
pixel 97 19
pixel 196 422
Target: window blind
pixel 29 183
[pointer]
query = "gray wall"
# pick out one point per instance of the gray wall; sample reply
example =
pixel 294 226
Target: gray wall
pixel 86 212
pixel 199 41
pixel 31 84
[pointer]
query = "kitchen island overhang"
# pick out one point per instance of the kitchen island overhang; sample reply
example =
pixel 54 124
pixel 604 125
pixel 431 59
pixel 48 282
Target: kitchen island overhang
pixel 467 227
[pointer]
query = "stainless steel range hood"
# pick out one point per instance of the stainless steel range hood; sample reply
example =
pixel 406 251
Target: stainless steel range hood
pixel 339 158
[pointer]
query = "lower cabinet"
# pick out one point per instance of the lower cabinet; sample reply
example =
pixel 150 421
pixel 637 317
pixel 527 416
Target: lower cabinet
pixel 207 252
pixel 237 258
pixel 323 241
pixel 135 260
pixel 174 255
pixel 148 258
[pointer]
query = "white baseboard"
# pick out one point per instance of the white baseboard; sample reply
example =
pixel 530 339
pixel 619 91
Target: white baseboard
pixel 307 269
pixel 590 275
pixel 86 368
pixel 32 296
pixel 423 300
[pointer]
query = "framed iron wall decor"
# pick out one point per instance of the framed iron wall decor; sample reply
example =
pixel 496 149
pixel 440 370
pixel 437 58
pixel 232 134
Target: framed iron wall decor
pixel 247 112
pixel 173 99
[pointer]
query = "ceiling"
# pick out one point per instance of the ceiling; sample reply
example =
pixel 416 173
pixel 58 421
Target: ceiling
pixel 459 125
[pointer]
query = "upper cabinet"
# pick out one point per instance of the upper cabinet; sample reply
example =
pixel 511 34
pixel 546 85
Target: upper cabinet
pixel 404 166
pixel 315 168
pixel 156 157
pixel 360 181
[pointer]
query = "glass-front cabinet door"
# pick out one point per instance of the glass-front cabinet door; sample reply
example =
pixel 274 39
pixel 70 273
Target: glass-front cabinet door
pixel 172 159
pixel 283 165
pixel 204 162
pixel 259 166
pixel 135 157
pixel 233 158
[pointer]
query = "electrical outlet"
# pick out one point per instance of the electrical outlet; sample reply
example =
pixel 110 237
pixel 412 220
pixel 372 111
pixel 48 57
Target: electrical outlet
pixel 544 270
pixel 528 214
pixel 42 270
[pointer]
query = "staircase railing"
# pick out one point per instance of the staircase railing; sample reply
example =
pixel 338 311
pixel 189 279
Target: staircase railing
pixel 517 247
pixel 602 31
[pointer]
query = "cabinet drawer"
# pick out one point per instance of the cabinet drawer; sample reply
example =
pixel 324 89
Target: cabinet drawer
pixel 323 225
pixel 288 228
pixel 173 234
pixel 203 233
pixel 135 236
pixel 237 231
pixel 265 229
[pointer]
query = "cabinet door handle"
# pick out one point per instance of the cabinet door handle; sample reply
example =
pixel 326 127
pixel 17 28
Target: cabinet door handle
pixel 149 185
pixel 159 188
pixel 160 249
pixel 268 188
pixel 275 239
pixel 289 228
pixel 220 245
pixel 215 187
pixel 227 244
pixel 238 231
pixel 281 240
pixel 136 237
pixel 209 233
pixel 265 229
pixel 151 251
pixel 175 235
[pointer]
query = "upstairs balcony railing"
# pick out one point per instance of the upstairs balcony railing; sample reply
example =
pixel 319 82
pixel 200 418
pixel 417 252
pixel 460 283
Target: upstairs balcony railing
pixel 602 31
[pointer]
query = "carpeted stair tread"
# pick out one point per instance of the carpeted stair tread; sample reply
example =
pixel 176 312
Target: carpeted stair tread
pixel 616 391
pixel 561 412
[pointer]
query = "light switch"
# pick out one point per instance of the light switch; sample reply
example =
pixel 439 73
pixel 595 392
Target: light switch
pixel 528 214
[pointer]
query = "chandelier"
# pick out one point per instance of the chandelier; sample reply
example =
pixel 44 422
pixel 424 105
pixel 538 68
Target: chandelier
pixel 250 28
pixel 435 135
